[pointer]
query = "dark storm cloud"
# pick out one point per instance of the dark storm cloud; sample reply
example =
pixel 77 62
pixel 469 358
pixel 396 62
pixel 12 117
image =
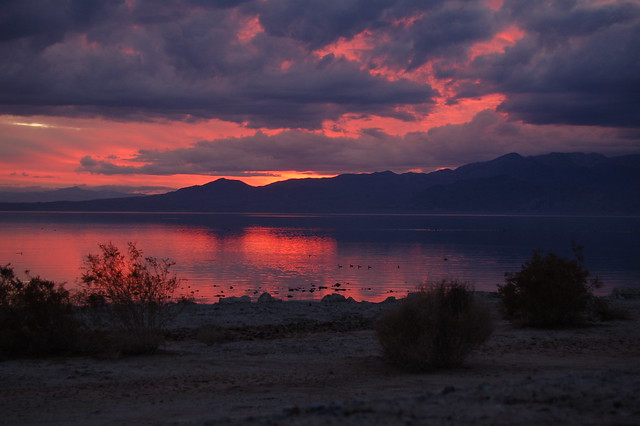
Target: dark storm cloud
pixel 485 137
pixel 445 34
pixel 577 64
pixel 180 60
pixel 317 22
pixel 200 59
pixel 45 22
pixel 438 28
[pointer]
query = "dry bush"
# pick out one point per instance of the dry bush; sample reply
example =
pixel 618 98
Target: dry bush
pixel 130 294
pixel 36 316
pixel 436 327
pixel 549 291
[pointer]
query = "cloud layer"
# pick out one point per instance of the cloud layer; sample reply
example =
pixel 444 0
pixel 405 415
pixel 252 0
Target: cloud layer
pixel 578 64
pixel 487 136
pixel 254 61
pixel 566 72
pixel 186 60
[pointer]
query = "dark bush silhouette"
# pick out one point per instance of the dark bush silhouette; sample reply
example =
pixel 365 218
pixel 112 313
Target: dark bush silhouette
pixel 549 291
pixel 36 316
pixel 130 294
pixel 436 327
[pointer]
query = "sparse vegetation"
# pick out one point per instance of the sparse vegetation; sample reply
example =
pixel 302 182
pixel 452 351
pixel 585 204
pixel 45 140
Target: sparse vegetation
pixel 551 291
pixel 127 298
pixel 36 316
pixel 131 294
pixel 436 327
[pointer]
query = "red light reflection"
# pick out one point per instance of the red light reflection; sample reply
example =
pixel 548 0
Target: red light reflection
pixel 289 263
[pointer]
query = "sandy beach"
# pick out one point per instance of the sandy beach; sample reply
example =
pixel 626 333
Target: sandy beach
pixel 315 363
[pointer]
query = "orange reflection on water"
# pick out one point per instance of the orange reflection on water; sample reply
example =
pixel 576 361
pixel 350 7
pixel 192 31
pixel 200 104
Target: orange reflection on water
pixel 219 260
pixel 212 262
pixel 259 259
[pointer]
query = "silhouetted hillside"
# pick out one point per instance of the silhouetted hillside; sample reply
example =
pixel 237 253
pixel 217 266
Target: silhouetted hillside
pixel 546 184
pixel 65 194
pixel 553 183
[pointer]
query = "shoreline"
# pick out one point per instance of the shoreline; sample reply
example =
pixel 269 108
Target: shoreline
pixel 586 375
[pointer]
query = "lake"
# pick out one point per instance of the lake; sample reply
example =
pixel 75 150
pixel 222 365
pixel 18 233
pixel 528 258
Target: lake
pixel 305 257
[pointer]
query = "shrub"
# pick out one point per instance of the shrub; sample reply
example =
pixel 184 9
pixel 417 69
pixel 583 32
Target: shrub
pixel 549 291
pixel 36 316
pixel 436 327
pixel 131 291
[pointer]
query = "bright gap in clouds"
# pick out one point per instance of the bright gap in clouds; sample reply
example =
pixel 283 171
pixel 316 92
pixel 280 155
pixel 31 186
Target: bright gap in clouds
pixel 18 123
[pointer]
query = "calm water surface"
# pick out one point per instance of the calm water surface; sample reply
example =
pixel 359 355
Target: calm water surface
pixel 368 257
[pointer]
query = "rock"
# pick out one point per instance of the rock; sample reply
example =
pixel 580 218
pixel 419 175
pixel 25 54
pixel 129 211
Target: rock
pixel 267 298
pixel 233 300
pixel 333 298
pixel 448 389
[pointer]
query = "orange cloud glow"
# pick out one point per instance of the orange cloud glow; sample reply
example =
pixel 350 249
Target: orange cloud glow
pixel 351 49
pixel 250 29
pixel 494 4
pixel 57 145
pixel 442 114
pixel 498 43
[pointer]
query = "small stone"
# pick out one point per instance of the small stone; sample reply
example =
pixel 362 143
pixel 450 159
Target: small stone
pixel 448 389
pixel 267 298
pixel 292 410
pixel 333 298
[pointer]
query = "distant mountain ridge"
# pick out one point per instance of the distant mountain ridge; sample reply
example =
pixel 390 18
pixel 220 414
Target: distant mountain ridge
pixel 556 183
pixel 74 193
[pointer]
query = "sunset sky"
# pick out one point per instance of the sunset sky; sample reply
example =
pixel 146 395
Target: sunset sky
pixel 158 94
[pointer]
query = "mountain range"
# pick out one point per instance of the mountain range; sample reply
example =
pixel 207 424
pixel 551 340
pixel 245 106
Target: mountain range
pixel 556 183
pixel 74 193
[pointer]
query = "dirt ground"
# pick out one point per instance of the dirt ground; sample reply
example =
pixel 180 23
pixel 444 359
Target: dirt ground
pixel 297 363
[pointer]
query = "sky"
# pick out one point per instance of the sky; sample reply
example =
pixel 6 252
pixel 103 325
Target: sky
pixel 146 95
